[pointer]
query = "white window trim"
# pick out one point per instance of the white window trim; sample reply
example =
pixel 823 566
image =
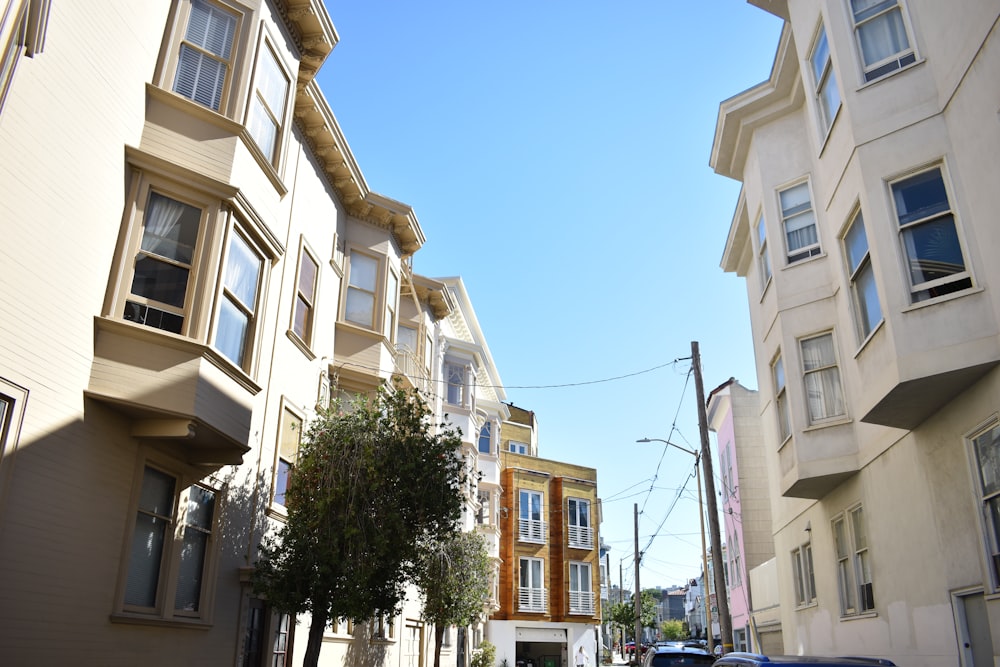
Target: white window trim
pixel 904 259
pixel 857 217
pixel 378 295
pixel 815 250
pixel 852 574
pixel 763 252
pixel 897 57
pixel 581 601
pixel 837 418
pixel 989 541
pixel 804 570
pixel 826 117
pixel 529 529
pixel 778 394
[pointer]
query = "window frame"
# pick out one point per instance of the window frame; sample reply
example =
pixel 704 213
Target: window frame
pixel 536 602
pixel 13 399
pixel 178 37
pixel 804 574
pixel 899 60
pixel 781 407
pixel 168 573
pixel 485 432
pixel 987 498
pixel 351 288
pixel 960 281
pixel 308 302
pixel 861 274
pixel 821 371
pixel 579 534
pixel 530 529
pixel 289 416
pixel 279 117
pixel 226 295
pixel 787 214
pixel 856 594
pixel 584 596
pixel 456 393
pixel 823 81
pixel 763 256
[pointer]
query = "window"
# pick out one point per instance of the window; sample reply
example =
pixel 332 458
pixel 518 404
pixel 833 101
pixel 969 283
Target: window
pixel 531 593
pixel 12 401
pixel 581 535
pixel 238 306
pixel 531 528
pixel 824 81
pixel 455 375
pixel 802 568
pixel 733 553
pixel 581 595
pixel 305 297
pixel 517 447
pixel 799 222
pixel 781 398
pixel 986 450
pixel 22 33
pixel 881 35
pixel 391 296
pixel 267 106
pixel 929 237
pixel 159 293
pixel 483 514
pixel 854 577
pixel 360 302
pixel 289 438
pixel 822 378
pixel 204 62
pixel 864 293
pixel 485 438
pixel 170 545
pixel 763 260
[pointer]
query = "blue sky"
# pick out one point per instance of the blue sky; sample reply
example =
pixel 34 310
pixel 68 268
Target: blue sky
pixel 556 155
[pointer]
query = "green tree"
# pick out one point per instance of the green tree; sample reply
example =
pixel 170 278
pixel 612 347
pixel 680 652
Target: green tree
pixel 374 484
pixel 454 579
pixel 673 630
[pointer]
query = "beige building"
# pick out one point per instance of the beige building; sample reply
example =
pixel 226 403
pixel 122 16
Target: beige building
pixel 178 196
pixel 865 230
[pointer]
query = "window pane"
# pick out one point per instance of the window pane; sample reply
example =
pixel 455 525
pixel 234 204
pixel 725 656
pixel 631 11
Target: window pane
pixel 307 277
pixel 211 28
pixel 364 271
pixel 243 269
pixel 160 281
pixel 281 481
pixel 920 196
pixel 156 503
pixel 820 56
pixel 197 530
pixel 933 250
pixel 360 307
pixel 883 37
pixel 231 334
pixel 200 78
pixel 795 199
pixel 856 243
pixel 869 308
pixel 484 438
pixel 987 448
pixel 170 228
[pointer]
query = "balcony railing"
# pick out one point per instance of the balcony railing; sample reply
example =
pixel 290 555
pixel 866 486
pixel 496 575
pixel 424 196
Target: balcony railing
pixel 581 537
pixel 581 602
pixel 532 600
pixel 531 530
pixel 408 364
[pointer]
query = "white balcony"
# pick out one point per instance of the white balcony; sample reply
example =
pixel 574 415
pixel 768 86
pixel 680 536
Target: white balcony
pixel 530 530
pixel 581 602
pixel 532 600
pixel 581 537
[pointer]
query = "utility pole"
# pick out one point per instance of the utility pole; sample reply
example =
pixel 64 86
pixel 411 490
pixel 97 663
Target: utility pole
pixel 621 598
pixel 721 594
pixel 637 650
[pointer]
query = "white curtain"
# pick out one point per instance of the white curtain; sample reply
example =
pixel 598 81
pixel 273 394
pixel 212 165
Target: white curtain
pixel 883 36
pixel 162 234
pixel 822 378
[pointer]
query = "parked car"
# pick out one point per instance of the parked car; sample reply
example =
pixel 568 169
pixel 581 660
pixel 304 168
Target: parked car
pixel 668 655
pixel 756 660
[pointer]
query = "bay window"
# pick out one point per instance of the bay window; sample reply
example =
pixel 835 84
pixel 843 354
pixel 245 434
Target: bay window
pixel 986 459
pixel 927 232
pixel 205 57
pixel 864 293
pixel 799 221
pixel 266 116
pixel 361 285
pixel 822 378
pixel 825 89
pixel 881 35
pixel 456 387
pixel 241 280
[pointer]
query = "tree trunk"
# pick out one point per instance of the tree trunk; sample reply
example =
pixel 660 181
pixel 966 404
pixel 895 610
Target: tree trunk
pixel 438 636
pixel 315 643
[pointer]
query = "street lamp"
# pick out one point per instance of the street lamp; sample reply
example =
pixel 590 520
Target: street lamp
pixel 706 599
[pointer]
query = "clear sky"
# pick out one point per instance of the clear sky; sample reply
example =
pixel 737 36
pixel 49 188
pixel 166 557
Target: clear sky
pixel 556 154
